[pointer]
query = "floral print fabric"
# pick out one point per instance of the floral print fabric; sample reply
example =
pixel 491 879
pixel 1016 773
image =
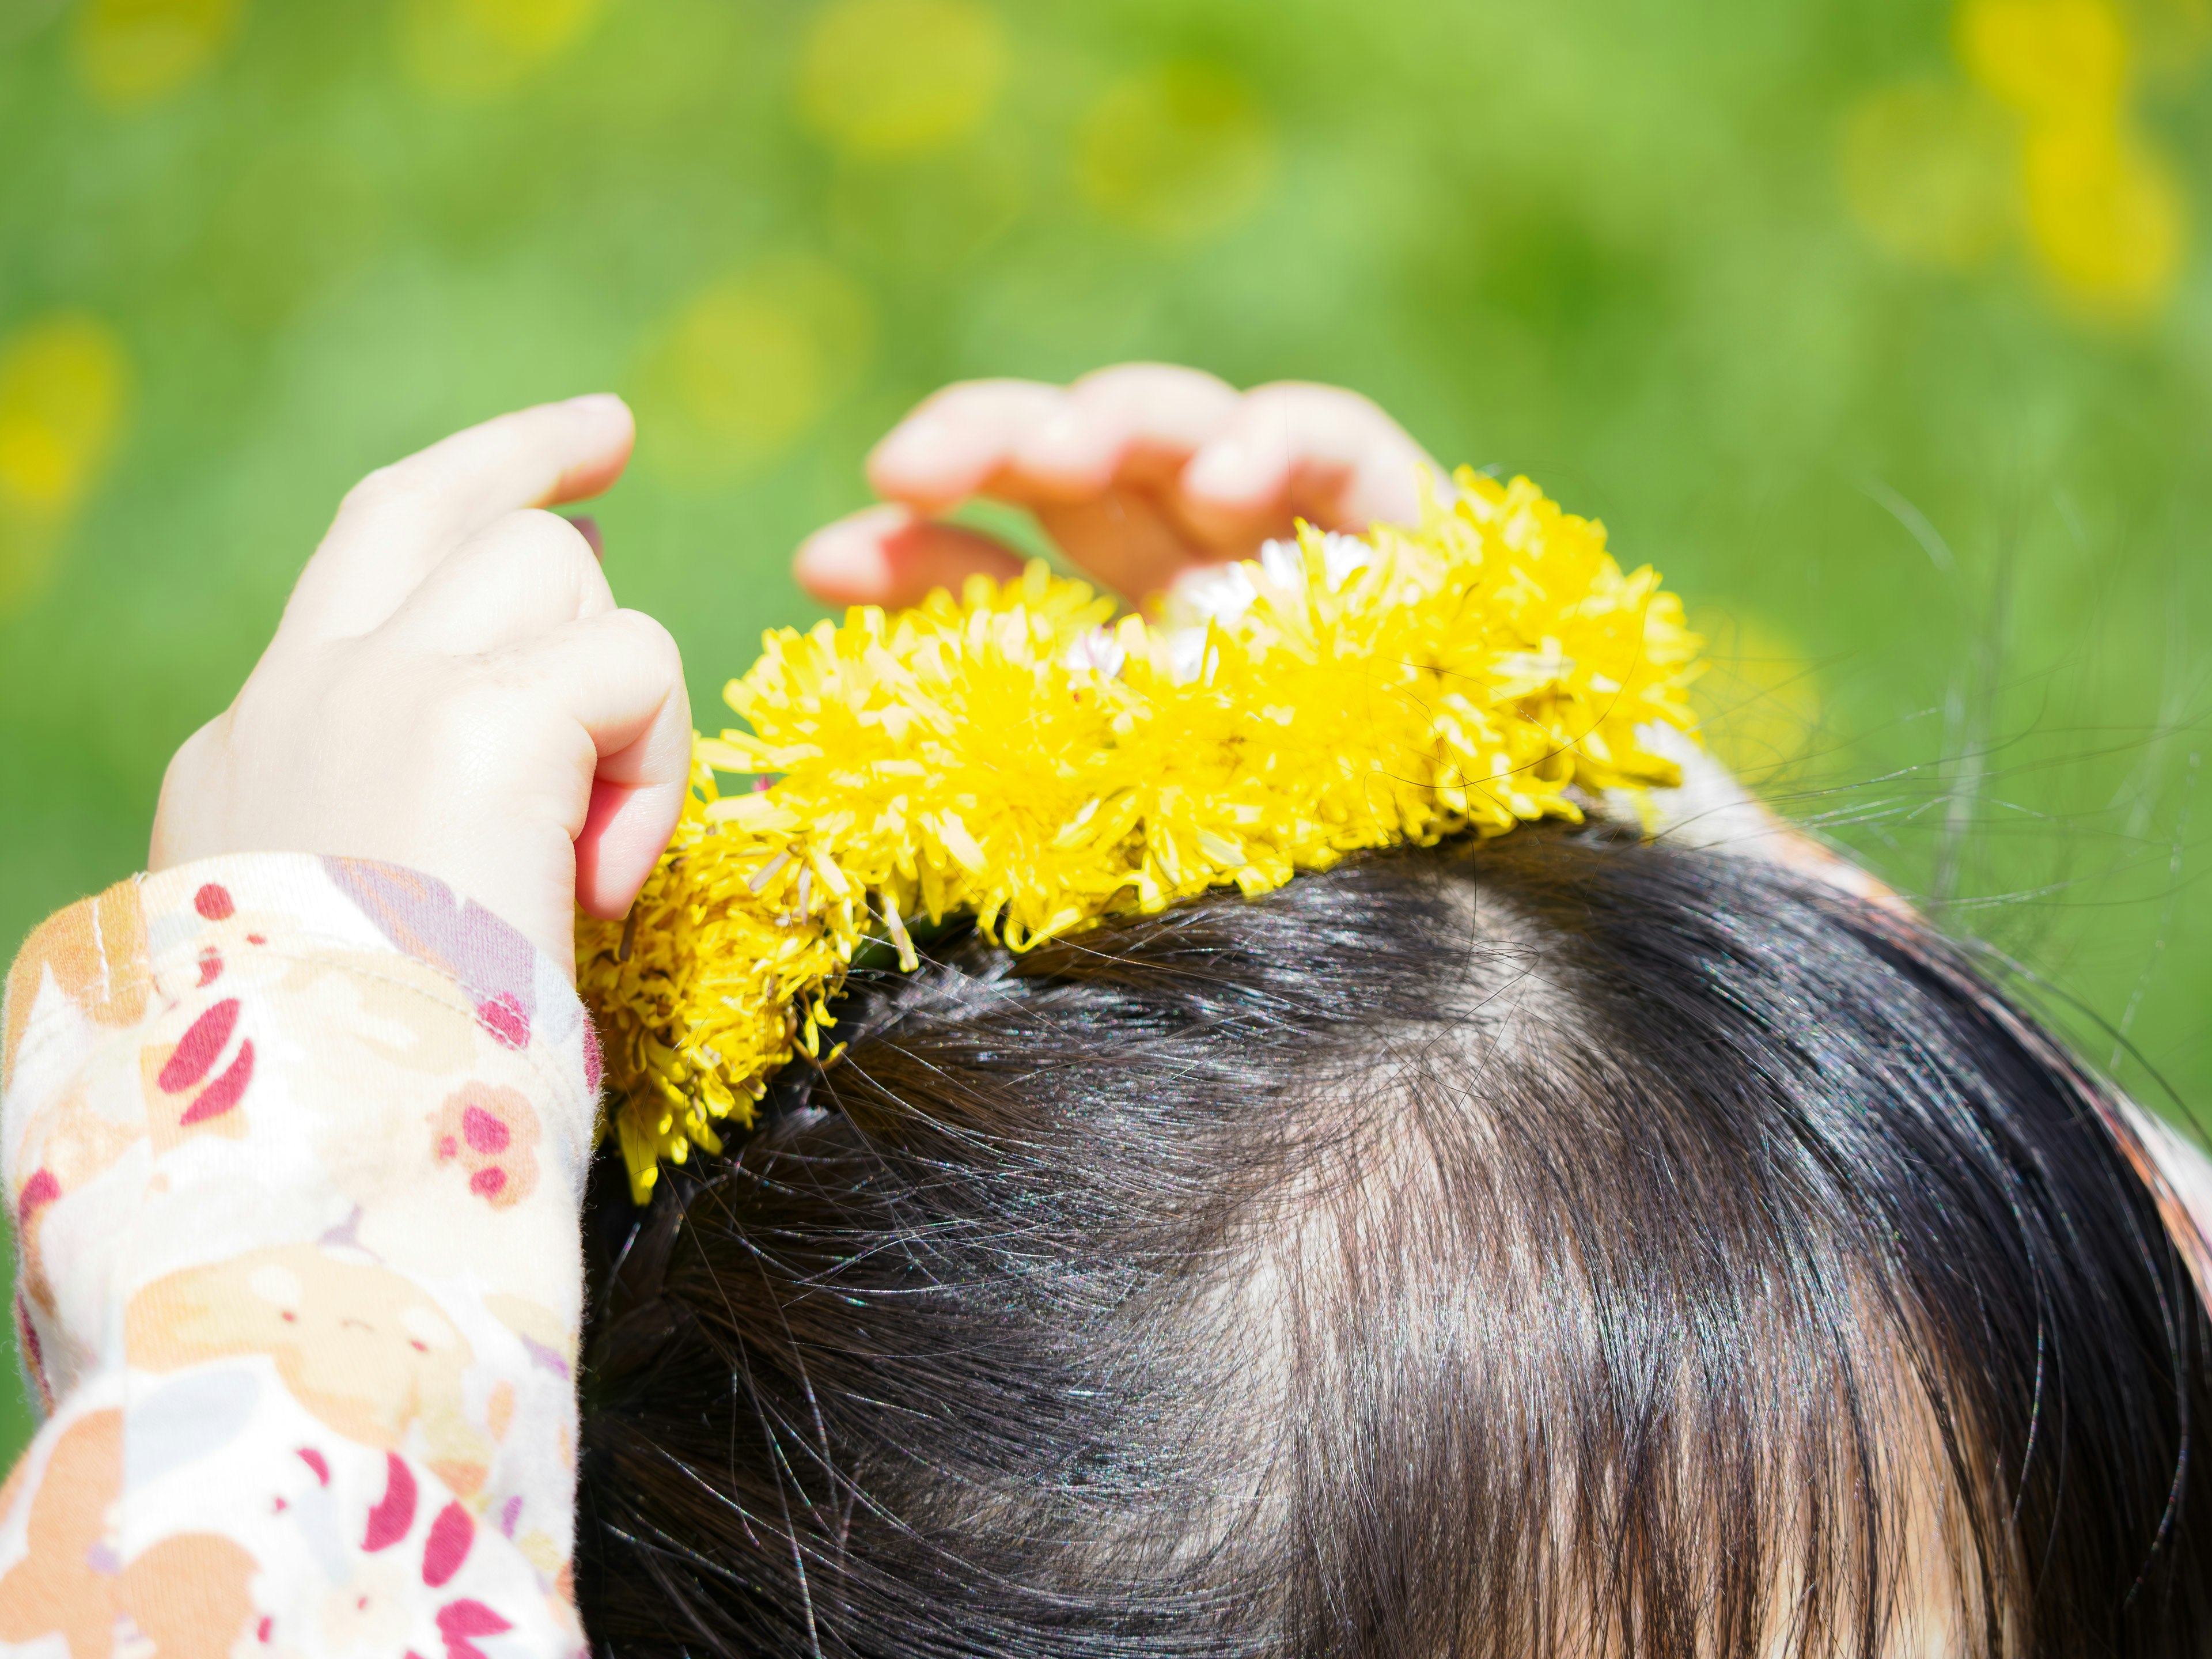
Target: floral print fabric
pixel 296 1148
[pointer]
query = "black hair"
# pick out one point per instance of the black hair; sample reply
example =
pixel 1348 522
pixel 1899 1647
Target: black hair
pixel 1562 1245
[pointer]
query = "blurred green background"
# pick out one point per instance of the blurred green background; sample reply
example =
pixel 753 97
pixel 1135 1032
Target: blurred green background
pixel 1879 327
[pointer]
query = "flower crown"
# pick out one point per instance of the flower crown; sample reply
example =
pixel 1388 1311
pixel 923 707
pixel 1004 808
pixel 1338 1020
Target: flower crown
pixel 1024 758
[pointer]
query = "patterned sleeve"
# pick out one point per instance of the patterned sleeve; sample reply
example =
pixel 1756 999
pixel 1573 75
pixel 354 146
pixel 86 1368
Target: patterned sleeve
pixel 296 1150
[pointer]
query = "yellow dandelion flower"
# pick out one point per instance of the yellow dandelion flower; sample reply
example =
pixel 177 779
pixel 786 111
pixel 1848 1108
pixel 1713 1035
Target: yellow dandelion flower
pixel 1024 756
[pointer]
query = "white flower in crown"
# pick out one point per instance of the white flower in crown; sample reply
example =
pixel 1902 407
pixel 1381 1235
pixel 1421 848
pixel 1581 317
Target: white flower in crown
pixel 1098 651
pixel 1222 592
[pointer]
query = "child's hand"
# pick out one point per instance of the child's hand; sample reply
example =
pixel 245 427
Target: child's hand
pixel 1138 472
pixel 452 689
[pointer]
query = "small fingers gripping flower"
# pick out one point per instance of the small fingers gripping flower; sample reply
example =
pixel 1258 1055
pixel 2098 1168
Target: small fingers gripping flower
pixel 453 688
pixel 1139 472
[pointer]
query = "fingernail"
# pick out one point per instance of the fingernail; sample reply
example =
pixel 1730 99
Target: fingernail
pixel 847 565
pixel 920 444
pixel 599 404
pixel 588 528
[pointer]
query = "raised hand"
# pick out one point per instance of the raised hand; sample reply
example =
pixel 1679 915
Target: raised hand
pixel 1138 472
pixel 453 688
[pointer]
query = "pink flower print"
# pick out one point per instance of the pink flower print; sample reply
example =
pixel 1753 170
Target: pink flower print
pixel 41 1190
pixel 459 1621
pixel 393 1515
pixel 491 1133
pixel 220 1095
pixel 447 1547
pixel 214 902
pixel 504 1016
pixel 196 1052
pixel 182 1069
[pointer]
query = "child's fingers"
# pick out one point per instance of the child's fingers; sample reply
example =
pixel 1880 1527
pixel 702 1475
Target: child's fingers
pixel 1138 471
pixel 892 556
pixel 538 457
pixel 619 676
pixel 1127 542
pixel 524 576
pixel 1020 441
pixel 1298 451
pixel 959 440
pixel 399 522
pixel 1133 425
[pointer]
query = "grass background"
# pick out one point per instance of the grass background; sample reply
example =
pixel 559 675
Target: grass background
pixel 1794 297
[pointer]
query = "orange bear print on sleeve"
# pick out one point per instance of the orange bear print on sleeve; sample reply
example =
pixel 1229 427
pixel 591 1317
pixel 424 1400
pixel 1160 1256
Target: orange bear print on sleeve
pixel 189 1594
pixel 361 1347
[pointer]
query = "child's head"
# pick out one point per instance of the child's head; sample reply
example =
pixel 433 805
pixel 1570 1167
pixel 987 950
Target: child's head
pixel 1571 1244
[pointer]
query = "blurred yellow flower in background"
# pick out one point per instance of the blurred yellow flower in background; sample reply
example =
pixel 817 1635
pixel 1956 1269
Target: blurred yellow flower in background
pixel 131 52
pixel 2102 213
pixel 63 383
pixel 471 49
pixel 2051 59
pixel 746 368
pixel 2105 215
pixel 2044 143
pixel 1929 171
pixel 899 77
pixel 1176 152
pixel 65 388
